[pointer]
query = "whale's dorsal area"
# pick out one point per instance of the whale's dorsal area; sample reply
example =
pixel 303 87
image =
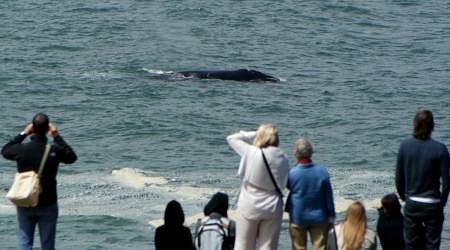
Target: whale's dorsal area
pixel 234 75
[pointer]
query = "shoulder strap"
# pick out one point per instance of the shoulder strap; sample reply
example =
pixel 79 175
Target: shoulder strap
pixel 208 224
pixel 232 229
pixel 44 159
pixel 271 175
pixel 197 226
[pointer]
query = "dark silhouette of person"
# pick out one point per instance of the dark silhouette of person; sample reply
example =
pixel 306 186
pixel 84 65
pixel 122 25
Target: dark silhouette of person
pixel 173 235
pixel 390 223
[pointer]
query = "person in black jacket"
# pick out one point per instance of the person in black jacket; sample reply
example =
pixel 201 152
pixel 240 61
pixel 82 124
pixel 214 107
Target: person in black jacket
pixel 173 235
pixel 422 181
pixel 390 223
pixel 28 157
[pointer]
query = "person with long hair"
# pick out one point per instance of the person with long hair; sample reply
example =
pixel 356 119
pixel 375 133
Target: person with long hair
pixel 422 181
pixel 352 233
pixel 260 202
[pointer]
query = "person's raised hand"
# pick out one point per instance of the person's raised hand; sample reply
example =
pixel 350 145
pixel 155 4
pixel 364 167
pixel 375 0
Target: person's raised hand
pixel 52 131
pixel 28 129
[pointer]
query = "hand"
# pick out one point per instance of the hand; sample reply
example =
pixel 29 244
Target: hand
pixel 28 130
pixel 52 130
pixel 379 206
pixel 248 134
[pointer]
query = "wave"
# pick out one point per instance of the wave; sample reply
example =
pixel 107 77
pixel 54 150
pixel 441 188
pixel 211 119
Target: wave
pixel 135 178
pixel 156 71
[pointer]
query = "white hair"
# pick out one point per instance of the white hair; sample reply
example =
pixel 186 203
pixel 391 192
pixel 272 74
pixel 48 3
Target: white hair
pixel 303 148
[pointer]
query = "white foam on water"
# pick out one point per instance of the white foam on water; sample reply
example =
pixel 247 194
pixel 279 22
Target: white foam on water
pixel 94 75
pixel 134 177
pixel 194 192
pixel 128 192
pixel 137 178
pixel 125 192
pixel 7 209
pixel 156 71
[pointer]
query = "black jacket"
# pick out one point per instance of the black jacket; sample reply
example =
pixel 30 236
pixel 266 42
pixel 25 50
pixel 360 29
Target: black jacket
pixel 390 231
pixel 29 156
pixel 173 235
pixel 423 170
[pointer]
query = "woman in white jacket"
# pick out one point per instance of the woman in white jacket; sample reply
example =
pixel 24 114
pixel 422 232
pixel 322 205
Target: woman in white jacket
pixel 260 205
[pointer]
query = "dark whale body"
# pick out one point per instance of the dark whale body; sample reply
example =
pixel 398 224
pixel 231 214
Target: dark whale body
pixel 235 75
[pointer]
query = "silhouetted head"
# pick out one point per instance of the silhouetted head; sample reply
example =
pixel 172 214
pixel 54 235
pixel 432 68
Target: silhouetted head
pixel 218 204
pixel 423 124
pixel 391 204
pixel 174 216
pixel 40 124
pixel 256 75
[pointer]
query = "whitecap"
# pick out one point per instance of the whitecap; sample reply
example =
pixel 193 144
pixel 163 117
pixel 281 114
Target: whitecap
pixel 156 71
pixel 134 177
pixel 7 209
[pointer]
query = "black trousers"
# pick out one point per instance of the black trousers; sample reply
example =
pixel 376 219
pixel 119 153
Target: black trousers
pixel 422 225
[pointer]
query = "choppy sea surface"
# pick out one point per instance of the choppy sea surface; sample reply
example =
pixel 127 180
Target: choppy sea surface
pixel 353 74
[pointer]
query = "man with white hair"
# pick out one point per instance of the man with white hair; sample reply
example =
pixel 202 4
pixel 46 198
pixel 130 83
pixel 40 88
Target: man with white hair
pixel 310 202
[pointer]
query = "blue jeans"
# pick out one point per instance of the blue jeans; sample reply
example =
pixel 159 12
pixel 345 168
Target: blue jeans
pixel 422 224
pixel 45 217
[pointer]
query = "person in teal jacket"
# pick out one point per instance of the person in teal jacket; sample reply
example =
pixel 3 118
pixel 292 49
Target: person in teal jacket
pixel 310 202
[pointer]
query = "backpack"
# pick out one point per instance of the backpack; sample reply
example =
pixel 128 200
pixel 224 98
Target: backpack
pixel 215 233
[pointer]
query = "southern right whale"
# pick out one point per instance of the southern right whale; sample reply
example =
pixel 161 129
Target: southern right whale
pixel 235 75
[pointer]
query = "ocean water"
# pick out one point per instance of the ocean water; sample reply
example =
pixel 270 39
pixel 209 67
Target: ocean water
pixel 353 74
